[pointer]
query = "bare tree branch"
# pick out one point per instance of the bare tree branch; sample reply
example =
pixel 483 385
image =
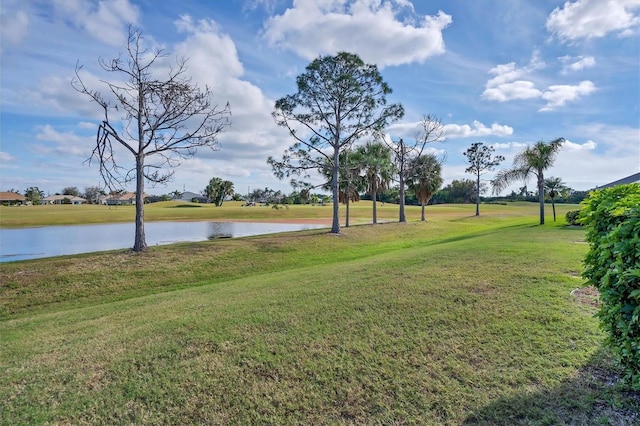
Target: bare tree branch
pixel 159 122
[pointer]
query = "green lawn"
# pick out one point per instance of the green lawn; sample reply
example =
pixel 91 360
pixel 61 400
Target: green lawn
pixel 460 320
pixel 168 210
pixel 12 217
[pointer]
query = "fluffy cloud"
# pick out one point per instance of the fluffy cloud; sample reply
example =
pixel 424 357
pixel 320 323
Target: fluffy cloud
pixel 510 83
pixel 476 129
pixel 62 143
pixel 384 32
pixel 572 146
pixel 509 145
pixel 513 90
pixel 507 85
pixel 559 95
pixel 571 64
pixel 54 96
pixel 214 62
pixel 586 19
pixel 105 21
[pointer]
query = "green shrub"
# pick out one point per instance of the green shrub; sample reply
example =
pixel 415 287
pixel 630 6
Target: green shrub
pixel 612 217
pixel 573 217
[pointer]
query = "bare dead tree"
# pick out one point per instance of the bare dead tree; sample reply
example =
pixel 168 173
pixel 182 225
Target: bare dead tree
pixel 158 121
pixel 431 130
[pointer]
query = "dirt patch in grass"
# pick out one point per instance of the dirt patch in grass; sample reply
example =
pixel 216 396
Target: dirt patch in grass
pixel 587 295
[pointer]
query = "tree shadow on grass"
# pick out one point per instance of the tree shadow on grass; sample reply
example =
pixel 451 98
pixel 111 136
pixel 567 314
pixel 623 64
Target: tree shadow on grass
pixel 593 396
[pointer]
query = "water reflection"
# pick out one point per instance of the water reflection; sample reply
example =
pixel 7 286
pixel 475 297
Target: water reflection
pixel 33 243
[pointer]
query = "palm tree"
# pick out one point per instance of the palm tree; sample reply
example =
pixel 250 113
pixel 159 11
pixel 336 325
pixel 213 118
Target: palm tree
pixel 226 189
pixel 554 186
pixel 425 178
pixel 534 160
pixel 377 167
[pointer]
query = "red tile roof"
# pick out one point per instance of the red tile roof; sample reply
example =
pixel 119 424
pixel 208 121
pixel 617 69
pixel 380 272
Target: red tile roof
pixel 11 196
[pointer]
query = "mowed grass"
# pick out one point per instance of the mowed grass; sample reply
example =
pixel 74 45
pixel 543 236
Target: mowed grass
pixel 46 215
pixel 460 320
pixel 360 212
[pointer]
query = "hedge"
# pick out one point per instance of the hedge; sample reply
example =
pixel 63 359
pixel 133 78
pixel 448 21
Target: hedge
pixel 612 265
pixel 573 217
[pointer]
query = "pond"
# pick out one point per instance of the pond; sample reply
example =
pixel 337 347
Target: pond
pixel 48 241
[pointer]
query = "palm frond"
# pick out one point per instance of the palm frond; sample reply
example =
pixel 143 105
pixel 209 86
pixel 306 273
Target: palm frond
pixel 504 178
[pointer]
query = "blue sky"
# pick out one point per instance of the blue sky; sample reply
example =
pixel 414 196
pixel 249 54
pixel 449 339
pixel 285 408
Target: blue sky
pixel 506 73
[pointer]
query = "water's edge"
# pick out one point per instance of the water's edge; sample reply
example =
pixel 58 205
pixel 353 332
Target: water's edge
pixel 49 241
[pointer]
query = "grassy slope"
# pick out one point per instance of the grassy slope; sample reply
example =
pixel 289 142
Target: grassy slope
pixel 457 320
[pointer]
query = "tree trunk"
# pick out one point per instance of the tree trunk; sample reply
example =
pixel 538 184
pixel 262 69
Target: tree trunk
pixel 423 218
pixel 335 226
pixel 402 218
pixel 375 213
pixel 140 243
pixel 478 195
pixel 346 223
pixel 553 205
pixel 541 197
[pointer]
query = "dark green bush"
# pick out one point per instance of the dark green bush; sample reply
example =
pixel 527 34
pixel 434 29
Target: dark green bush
pixel 573 217
pixel 612 217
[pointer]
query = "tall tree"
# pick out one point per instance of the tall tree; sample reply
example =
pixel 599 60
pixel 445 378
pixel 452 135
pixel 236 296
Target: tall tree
pixel 159 122
pixel 533 160
pixel 34 194
pixel 227 191
pixel 350 183
pixel 480 158
pixel 425 178
pixel 217 190
pixel 430 130
pixel 340 99
pixel 71 190
pixel 377 168
pixel 93 194
pixel 554 187
pixel 212 189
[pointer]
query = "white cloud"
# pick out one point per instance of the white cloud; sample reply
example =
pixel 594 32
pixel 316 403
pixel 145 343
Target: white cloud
pixel 54 95
pixel 212 55
pixel 559 95
pixel 477 129
pixel 213 62
pixel 384 32
pixel 571 163
pixel 586 19
pixel 571 64
pixel 63 143
pixel 616 140
pixel 585 165
pixel 509 145
pixel 86 125
pixel 514 90
pixel 14 26
pixel 507 85
pixel 572 146
pixel 5 156
pixel 106 21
